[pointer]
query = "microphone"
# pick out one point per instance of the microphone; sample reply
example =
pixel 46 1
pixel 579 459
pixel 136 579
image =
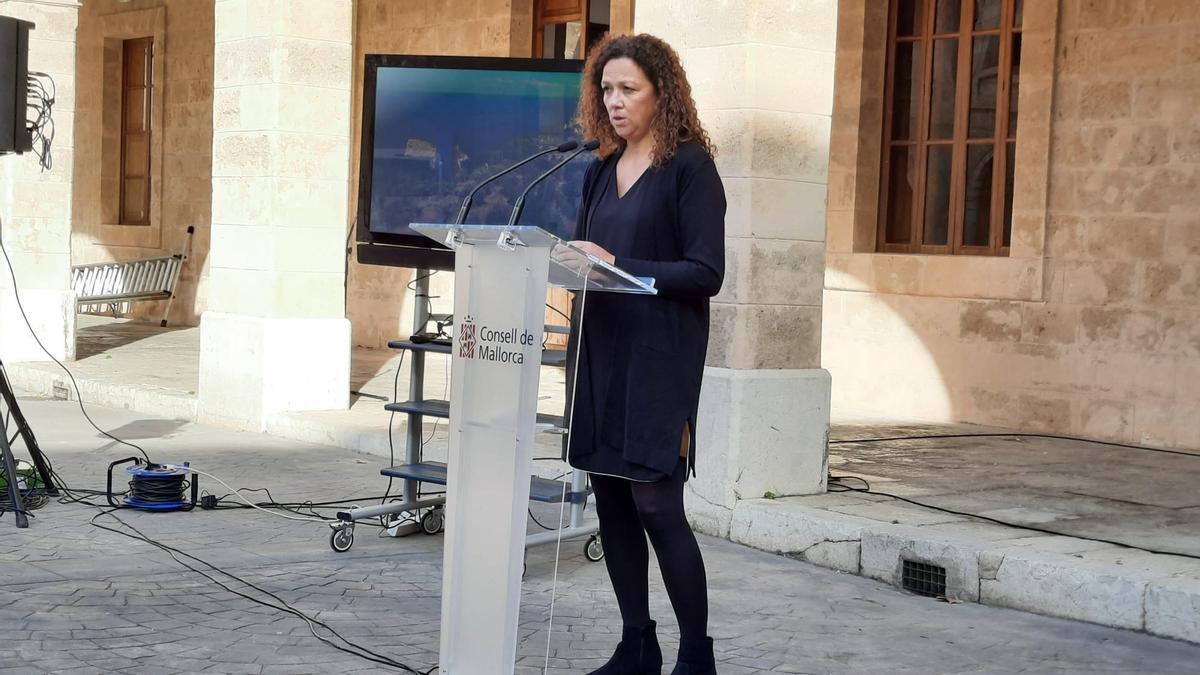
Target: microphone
pixel 519 205
pixel 466 205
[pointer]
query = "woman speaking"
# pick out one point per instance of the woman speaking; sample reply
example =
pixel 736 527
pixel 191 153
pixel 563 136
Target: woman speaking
pixel 654 206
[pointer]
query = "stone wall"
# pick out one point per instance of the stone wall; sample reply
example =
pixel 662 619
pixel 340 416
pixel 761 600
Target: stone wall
pixel 1092 325
pixel 181 151
pixel 35 205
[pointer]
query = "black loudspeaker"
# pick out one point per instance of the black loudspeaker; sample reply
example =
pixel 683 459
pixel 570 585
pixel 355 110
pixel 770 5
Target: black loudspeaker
pixel 14 84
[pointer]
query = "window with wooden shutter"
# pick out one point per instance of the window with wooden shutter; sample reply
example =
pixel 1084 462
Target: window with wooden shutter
pixel 137 97
pixel 950 125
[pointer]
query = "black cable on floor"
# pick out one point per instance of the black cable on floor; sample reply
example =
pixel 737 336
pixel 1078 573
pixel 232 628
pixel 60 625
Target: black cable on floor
pixel 845 441
pixel 539 523
pixel 283 605
pixel 837 480
pixel 72 496
pixel 16 294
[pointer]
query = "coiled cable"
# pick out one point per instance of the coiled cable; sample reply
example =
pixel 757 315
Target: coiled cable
pixel 158 488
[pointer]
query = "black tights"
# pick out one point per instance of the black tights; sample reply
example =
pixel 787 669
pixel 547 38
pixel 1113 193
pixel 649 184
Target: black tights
pixel 629 511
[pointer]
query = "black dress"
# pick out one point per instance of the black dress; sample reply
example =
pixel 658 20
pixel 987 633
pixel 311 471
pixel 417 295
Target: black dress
pixel 641 358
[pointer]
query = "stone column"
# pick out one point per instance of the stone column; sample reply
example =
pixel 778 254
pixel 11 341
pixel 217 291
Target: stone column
pixel 762 75
pixel 275 337
pixel 35 206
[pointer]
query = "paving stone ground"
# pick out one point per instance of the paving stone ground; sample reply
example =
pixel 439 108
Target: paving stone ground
pixel 75 598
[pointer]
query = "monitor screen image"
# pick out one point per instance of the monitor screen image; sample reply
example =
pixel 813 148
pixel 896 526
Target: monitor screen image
pixel 435 127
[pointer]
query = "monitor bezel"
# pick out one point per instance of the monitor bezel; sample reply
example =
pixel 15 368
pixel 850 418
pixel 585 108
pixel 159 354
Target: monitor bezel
pixel 403 250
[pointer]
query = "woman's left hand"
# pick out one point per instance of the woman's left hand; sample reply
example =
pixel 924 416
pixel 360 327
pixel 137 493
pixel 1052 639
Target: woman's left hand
pixel 594 249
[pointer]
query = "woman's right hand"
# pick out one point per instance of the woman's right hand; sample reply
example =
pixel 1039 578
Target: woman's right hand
pixel 593 249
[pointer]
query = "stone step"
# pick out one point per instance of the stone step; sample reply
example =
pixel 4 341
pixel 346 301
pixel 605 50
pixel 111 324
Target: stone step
pixel 991 564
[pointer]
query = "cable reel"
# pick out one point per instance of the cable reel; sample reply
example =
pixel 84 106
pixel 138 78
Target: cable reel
pixel 154 487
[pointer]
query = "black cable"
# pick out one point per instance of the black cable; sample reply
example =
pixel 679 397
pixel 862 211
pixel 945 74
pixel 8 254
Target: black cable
pixel 298 509
pixel 66 496
pixel 346 270
pixel 78 496
pixel 74 498
pixel 539 523
pixel 445 392
pixel 78 395
pixel 320 505
pixel 535 520
pixel 846 441
pixel 164 489
pixel 5 508
pixel 333 503
pixel 32 498
pixel 8 415
pixel 312 507
pixel 559 312
pixel 412 286
pixel 283 605
pixel 42 129
pixel 391 419
pixel 867 490
pixel 69 496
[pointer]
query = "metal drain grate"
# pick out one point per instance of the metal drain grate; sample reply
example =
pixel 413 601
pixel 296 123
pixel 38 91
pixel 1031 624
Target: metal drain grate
pixel 924 579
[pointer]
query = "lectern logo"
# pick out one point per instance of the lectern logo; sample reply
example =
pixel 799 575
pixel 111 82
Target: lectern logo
pixel 466 338
pixel 499 345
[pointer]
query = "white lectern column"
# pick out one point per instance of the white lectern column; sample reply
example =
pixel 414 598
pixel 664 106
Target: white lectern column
pixel 500 280
pixel 499 309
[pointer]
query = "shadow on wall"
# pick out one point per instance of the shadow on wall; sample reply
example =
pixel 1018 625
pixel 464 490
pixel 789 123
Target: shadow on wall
pixel 884 363
pixel 1106 372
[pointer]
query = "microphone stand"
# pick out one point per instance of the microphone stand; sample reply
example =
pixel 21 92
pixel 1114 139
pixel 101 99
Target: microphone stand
pixel 466 205
pixel 519 205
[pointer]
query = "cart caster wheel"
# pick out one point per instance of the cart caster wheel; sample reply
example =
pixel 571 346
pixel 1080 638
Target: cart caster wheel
pixel 341 540
pixel 433 521
pixel 594 548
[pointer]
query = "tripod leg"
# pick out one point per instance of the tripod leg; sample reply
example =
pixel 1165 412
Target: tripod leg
pixel 10 470
pixel 35 452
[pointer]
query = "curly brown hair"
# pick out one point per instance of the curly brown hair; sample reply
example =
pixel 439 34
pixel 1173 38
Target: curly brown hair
pixel 675 119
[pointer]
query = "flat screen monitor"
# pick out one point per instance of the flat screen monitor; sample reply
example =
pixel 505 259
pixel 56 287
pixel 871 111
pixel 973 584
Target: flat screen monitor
pixel 435 127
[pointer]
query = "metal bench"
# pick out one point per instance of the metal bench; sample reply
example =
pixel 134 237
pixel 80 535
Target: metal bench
pixel 109 284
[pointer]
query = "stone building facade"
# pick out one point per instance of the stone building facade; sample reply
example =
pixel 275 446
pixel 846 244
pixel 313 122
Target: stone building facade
pixel 1091 325
pixel 1087 324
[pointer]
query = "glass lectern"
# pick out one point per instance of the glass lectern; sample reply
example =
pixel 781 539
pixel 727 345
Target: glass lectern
pixel 500 279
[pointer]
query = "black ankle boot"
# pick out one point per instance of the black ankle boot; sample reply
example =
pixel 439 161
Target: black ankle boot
pixel 695 658
pixel 637 654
